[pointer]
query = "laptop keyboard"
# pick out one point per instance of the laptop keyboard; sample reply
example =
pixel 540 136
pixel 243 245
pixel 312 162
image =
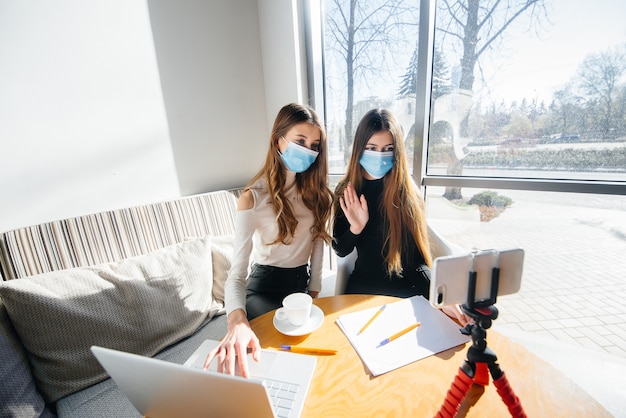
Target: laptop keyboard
pixel 282 396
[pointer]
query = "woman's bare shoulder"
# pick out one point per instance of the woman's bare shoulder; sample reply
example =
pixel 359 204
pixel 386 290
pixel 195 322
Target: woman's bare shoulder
pixel 246 200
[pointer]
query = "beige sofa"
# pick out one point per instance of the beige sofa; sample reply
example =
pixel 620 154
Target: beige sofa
pixel 146 279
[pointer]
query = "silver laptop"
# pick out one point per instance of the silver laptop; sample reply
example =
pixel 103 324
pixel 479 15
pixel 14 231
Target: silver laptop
pixel 277 387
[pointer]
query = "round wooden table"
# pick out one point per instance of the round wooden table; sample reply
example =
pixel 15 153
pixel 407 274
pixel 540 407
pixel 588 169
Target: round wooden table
pixel 341 386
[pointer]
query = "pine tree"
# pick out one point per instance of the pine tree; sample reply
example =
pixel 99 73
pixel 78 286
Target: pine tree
pixel 441 75
pixel 409 80
pixel 441 79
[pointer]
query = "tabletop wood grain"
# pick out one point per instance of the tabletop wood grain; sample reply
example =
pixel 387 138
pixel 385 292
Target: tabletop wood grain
pixel 342 387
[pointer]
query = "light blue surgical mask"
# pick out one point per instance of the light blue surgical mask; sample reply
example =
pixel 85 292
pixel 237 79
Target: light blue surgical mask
pixel 377 164
pixel 298 158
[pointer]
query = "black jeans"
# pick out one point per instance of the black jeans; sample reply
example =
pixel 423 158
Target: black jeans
pixel 267 286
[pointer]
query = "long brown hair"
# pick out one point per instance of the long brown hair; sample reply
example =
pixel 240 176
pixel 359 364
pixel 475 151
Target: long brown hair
pixel 402 206
pixel 311 184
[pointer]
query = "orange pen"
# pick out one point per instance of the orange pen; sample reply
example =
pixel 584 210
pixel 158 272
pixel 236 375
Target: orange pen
pixel 399 334
pixel 305 350
pixel 367 324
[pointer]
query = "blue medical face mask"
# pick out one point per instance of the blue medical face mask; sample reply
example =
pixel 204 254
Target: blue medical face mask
pixel 298 158
pixel 377 164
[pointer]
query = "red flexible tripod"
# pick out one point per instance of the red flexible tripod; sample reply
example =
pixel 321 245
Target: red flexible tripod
pixel 481 360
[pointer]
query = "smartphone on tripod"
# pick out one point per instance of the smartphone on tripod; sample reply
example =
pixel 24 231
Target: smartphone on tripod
pixel 450 278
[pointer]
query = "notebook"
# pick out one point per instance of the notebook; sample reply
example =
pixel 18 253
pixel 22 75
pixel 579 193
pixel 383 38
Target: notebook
pixel 277 387
pixel 436 333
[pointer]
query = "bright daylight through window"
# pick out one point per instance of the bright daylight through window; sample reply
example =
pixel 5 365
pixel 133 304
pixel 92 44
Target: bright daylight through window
pixel 521 106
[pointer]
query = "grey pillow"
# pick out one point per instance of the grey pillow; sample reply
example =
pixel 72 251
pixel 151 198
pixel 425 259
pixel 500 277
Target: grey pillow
pixel 18 394
pixel 140 305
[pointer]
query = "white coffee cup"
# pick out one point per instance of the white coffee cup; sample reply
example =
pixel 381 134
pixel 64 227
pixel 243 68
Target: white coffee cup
pixel 296 309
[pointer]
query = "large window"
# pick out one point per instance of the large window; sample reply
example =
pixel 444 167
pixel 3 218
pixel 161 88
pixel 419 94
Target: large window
pixel 528 89
pixel 515 116
pixel 370 47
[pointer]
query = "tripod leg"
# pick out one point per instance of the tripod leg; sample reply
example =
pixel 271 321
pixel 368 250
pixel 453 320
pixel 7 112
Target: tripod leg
pixel 455 395
pixel 481 377
pixel 506 393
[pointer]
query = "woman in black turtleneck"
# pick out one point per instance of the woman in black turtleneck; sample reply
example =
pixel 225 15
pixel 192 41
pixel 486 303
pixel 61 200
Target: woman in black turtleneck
pixel 379 210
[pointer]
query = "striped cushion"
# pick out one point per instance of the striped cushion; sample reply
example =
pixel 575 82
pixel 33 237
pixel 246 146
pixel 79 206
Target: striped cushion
pixel 114 235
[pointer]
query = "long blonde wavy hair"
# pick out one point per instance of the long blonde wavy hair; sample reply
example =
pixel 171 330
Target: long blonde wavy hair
pixel 311 184
pixel 402 206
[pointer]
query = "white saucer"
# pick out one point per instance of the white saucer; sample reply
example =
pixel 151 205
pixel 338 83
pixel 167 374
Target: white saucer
pixel 315 321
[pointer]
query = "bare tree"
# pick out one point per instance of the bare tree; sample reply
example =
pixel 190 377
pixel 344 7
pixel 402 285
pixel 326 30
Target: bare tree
pixel 599 75
pixel 362 33
pixel 479 25
pixel 566 110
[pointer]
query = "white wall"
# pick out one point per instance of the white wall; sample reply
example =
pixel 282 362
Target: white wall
pixel 209 56
pixel 82 122
pixel 112 103
pixel 283 54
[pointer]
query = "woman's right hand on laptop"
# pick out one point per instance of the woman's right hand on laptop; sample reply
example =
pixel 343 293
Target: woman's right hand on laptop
pixel 233 348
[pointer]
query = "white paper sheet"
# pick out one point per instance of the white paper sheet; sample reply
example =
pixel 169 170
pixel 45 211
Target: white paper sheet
pixel 436 333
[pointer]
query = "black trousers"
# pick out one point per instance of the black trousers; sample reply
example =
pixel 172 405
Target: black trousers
pixel 416 282
pixel 267 286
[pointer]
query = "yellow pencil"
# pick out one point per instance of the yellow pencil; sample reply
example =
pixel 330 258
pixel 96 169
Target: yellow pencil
pixel 399 334
pixel 305 350
pixel 382 308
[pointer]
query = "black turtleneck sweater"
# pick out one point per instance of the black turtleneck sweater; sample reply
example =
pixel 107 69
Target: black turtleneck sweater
pixel 370 272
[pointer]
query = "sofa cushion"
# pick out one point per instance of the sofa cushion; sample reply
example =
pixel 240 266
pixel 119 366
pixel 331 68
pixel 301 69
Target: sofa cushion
pixel 18 394
pixel 222 254
pixel 141 305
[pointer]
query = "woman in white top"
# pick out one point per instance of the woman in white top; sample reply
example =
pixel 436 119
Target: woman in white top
pixel 281 220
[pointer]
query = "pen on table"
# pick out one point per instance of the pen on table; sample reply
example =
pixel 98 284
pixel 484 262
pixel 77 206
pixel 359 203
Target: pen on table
pixel 399 334
pixel 305 350
pixel 367 324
